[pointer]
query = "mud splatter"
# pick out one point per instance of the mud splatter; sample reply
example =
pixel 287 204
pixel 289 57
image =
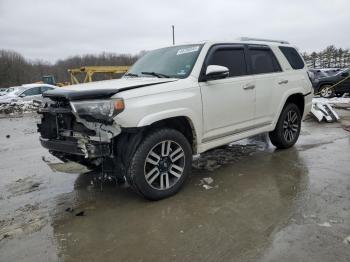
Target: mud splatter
pixel 214 159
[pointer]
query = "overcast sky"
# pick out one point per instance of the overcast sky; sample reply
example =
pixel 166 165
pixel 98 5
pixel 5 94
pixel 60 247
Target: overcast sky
pixel 54 29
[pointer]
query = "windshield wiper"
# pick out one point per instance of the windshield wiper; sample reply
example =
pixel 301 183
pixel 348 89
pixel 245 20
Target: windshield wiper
pixel 159 75
pixel 131 74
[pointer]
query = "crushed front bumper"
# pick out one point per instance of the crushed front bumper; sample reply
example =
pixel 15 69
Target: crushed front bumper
pixel 90 149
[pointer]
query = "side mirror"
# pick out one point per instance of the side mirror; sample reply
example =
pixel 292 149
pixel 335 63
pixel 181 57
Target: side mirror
pixel 22 95
pixel 216 72
pixel 346 74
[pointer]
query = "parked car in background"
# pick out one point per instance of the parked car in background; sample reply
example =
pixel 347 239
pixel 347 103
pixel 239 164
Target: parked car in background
pixel 25 93
pixel 324 72
pixel 3 91
pixel 324 80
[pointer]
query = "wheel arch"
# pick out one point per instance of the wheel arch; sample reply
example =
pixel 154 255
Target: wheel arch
pixel 323 84
pixel 296 98
pixel 183 124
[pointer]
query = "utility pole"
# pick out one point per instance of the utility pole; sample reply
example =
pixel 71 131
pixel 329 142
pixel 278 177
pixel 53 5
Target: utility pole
pixel 173 27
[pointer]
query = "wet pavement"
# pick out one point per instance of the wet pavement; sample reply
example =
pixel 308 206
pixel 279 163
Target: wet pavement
pixel 246 202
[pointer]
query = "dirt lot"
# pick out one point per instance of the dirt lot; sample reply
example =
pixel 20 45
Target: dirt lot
pixel 247 202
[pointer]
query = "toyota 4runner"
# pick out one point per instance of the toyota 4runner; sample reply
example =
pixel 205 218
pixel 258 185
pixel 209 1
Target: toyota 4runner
pixel 176 102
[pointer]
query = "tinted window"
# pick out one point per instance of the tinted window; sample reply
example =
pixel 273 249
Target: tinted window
pixel 233 59
pixel 32 91
pixel 263 61
pixel 45 88
pixel 293 57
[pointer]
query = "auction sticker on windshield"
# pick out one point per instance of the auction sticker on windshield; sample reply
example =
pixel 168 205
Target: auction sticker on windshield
pixel 187 50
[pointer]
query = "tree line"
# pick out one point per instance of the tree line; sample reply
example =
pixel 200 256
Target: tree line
pixel 16 70
pixel 330 57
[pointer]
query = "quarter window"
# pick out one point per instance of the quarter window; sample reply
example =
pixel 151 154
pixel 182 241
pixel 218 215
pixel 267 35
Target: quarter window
pixel 293 57
pixel 263 61
pixel 233 59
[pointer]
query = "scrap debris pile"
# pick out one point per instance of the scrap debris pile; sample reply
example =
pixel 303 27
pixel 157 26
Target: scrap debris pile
pixel 19 108
pixel 322 108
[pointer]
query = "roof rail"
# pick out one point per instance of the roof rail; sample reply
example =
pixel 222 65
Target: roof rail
pixel 263 40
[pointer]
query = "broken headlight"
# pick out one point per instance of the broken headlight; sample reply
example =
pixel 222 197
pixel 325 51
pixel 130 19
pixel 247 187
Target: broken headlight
pixel 98 110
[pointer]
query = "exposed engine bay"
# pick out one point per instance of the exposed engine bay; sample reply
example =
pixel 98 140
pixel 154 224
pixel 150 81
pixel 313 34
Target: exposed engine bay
pixel 79 136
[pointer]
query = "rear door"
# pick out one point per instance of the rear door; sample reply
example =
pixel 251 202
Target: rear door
pixel 228 104
pixel 268 77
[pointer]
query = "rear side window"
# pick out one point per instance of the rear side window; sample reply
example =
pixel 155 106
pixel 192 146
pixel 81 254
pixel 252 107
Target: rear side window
pixel 263 61
pixel 233 59
pixel 292 56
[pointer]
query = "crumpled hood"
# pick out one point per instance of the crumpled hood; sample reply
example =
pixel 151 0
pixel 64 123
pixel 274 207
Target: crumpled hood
pixel 102 89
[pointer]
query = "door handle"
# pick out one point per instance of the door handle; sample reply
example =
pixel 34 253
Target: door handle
pixel 246 87
pixel 283 82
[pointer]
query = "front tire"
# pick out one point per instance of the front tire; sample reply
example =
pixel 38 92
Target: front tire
pixel 161 164
pixel 287 129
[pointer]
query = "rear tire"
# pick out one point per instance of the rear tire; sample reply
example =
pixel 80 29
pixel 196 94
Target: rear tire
pixel 161 164
pixel 287 129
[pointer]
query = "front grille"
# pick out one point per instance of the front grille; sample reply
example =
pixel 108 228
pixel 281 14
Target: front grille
pixel 58 121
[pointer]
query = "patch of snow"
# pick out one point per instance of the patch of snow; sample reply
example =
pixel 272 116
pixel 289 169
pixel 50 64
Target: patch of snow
pixel 347 240
pixel 208 180
pixel 207 187
pixel 325 224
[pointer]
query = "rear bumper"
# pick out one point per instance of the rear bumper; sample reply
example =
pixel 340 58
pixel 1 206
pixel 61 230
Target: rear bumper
pixel 88 150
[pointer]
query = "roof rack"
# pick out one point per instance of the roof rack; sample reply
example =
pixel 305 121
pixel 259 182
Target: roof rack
pixel 263 40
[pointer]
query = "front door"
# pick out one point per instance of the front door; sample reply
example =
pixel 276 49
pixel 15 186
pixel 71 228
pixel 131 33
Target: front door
pixel 229 103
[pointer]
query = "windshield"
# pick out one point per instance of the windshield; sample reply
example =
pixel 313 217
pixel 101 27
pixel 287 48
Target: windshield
pixel 176 61
pixel 19 90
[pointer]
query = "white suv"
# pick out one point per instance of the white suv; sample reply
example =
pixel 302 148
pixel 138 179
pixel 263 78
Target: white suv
pixel 176 102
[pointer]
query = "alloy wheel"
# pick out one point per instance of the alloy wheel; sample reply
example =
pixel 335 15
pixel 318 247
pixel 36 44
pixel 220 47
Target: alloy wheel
pixel 290 126
pixel 164 165
pixel 326 91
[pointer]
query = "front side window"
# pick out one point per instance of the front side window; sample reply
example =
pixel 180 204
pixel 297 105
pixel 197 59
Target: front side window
pixel 32 92
pixel 293 57
pixel 263 61
pixel 176 61
pixel 233 59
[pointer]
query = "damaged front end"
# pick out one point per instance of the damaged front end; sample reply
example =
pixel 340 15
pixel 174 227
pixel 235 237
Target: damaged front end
pixel 78 127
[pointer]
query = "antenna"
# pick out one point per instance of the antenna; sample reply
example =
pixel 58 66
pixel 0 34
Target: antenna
pixel 173 28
